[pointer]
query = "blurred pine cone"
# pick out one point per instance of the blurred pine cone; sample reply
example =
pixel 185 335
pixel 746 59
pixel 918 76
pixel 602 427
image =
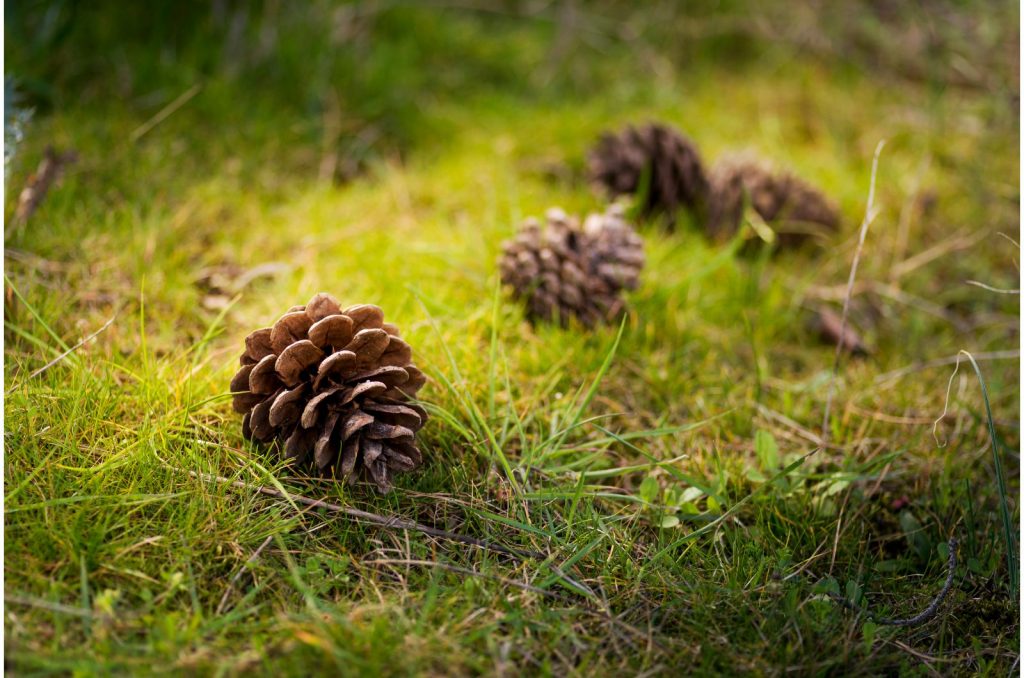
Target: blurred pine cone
pixel 332 388
pixel 563 270
pixel 656 154
pixel 795 210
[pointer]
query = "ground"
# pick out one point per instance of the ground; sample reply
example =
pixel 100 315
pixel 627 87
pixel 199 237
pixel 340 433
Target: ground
pixel 691 511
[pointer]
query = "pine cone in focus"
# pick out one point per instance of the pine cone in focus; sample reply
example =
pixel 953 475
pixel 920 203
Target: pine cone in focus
pixel 655 153
pixel 794 209
pixel 332 388
pixel 564 271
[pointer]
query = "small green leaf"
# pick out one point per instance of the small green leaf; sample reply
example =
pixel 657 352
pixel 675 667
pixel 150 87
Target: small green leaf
pixel 755 476
pixel 915 534
pixel 649 489
pixel 835 487
pixel 868 630
pixel 689 508
pixel 669 521
pixel 827 585
pixel 691 494
pixel 853 592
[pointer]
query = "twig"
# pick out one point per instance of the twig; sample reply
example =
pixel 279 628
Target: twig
pixel 74 348
pixel 165 112
pixel 387 522
pixel 238 575
pixel 990 288
pixel 869 216
pixel 926 614
pixel 39 184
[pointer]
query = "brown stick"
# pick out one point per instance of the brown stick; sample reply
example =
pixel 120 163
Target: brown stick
pixel 49 172
pixel 917 619
pixel 387 522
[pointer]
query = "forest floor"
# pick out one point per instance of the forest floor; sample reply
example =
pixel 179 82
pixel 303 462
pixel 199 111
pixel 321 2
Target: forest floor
pixel 690 508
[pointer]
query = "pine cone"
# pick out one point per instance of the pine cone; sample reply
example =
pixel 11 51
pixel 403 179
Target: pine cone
pixel 656 153
pixel 564 271
pixel 794 209
pixel 331 387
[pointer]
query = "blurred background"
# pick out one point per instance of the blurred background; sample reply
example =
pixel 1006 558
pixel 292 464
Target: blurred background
pixel 330 86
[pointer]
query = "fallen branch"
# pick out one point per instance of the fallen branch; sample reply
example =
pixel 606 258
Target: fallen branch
pixel 387 522
pixel 918 619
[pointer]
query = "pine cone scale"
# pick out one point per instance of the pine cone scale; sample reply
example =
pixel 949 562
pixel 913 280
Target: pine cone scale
pixel 262 377
pixel 290 328
pixel 287 407
pixel 334 365
pixel 333 330
pixel 257 345
pixel 295 360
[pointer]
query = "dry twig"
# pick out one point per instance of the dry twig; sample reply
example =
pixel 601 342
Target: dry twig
pixel 51 167
pixel 926 614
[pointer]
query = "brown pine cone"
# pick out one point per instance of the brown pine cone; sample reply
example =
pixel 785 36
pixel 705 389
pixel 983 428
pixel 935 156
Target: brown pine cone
pixel 332 388
pixel 659 155
pixel 564 271
pixel 794 209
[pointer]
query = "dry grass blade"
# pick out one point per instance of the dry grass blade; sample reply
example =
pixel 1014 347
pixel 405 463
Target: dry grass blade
pixel 238 575
pixel 74 348
pixel 165 112
pixel 997 290
pixel 869 216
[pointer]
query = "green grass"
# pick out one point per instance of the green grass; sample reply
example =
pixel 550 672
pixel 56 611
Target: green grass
pixel 662 465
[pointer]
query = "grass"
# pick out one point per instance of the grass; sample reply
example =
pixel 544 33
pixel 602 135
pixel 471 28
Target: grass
pixel 662 465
